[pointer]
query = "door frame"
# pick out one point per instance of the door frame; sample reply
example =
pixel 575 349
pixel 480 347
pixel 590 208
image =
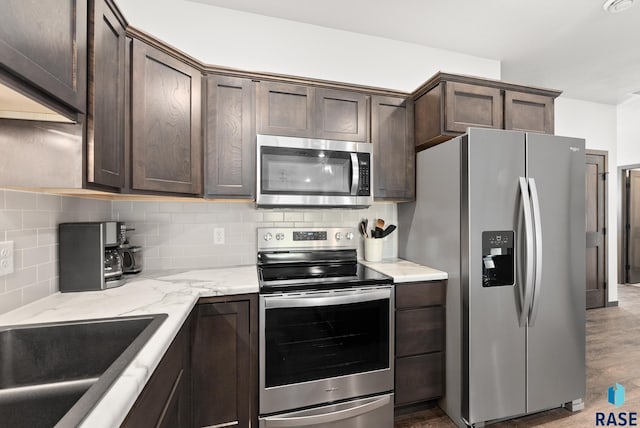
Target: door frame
pixel 623 214
pixel 605 154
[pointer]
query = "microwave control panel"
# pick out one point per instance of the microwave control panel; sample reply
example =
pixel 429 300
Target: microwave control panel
pixel 364 166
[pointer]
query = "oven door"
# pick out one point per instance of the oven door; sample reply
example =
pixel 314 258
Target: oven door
pixel 302 171
pixel 323 346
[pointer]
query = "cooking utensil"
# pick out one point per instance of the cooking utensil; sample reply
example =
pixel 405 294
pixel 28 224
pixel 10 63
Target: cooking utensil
pixel 379 228
pixel 363 228
pixel 388 230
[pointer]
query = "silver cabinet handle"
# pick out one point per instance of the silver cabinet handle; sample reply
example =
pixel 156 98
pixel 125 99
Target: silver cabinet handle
pixel 326 418
pixel 326 298
pixel 529 263
pixel 537 284
pixel 355 174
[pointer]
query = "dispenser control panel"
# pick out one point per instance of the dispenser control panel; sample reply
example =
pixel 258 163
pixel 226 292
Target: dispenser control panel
pixel 498 264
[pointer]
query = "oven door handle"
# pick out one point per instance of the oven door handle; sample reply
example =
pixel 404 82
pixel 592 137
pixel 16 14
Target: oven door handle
pixel 326 418
pixel 325 299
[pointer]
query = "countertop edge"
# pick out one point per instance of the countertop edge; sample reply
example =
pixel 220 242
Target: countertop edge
pixel 406 271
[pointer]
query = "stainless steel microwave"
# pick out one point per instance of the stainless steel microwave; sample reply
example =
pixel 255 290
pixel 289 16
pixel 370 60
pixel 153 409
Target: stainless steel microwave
pixel 294 172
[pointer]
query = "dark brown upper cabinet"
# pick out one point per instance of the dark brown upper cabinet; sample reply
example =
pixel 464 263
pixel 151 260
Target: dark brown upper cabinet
pixel 285 109
pixel 44 43
pixel 106 96
pixel 447 104
pixel 166 116
pixel 393 148
pixel 306 111
pixel 340 115
pixel 528 112
pixel 472 105
pixel 230 137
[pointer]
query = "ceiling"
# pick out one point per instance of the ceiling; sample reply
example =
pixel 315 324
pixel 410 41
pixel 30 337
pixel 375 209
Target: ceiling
pixel 571 45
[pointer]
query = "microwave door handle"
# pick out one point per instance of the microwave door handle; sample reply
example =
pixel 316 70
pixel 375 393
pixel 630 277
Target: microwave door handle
pixel 326 418
pixel 326 299
pixel 355 174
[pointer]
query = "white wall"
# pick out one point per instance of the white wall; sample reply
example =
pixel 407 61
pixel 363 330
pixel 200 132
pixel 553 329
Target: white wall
pixel 597 124
pixel 251 42
pixel 629 131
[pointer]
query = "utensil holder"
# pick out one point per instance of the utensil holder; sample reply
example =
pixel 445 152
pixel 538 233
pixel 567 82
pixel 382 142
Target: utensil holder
pixel 373 249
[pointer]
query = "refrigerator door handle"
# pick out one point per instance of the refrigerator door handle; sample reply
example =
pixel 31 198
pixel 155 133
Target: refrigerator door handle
pixel 529 248
pixel 537 222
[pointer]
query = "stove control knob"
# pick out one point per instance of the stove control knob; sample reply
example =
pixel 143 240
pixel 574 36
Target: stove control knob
pixel 349 236
pixel 279 236
pixel 268 236
pixel 338 236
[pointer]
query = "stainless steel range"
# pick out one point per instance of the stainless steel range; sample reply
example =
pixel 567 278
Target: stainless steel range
pixel 326 332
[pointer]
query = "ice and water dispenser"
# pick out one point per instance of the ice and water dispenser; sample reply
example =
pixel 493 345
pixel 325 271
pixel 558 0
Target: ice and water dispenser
pixel 498 267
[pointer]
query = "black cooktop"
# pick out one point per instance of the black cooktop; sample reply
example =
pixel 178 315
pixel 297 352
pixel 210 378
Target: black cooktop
pixel 295 271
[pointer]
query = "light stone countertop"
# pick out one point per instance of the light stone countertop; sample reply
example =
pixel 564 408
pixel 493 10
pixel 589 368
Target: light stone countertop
pixel 405 271
pixel 173 293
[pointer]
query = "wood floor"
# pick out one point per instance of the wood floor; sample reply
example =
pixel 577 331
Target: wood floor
pixel 613 356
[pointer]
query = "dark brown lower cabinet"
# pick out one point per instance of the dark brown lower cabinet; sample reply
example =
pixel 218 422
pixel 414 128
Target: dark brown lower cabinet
pixel 419 378
pixel 165 400
pixel 420 334
pixel 224 362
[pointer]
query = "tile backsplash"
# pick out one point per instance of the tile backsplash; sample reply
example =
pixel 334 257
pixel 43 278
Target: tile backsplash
pixel 174 235
pixel 30 220
pixel 181 235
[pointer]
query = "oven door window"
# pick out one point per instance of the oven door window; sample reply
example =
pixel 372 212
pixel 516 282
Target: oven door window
pixel 305 171
pixel 319 342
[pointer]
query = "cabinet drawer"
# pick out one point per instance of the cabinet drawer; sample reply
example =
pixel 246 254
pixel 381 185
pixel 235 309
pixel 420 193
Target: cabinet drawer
pixel 416 294
pixel 419 378
pixel 419 331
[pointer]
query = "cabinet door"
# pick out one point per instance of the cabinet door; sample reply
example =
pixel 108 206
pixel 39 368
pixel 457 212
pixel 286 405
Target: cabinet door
pixel 230 137
pixel 472 105
pixel 45 43
pixel 166 123
pixel 285 109
pixel 165 400
pixel 340 115
pixel 393 148
pixel 419 378
pixel 528 112
pixel 106 114
pixel 221 365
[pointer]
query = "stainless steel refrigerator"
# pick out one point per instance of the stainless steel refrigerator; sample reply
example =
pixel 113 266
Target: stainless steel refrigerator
pixel 503 212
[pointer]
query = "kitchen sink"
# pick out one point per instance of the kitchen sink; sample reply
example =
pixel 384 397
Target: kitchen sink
pixel 55 373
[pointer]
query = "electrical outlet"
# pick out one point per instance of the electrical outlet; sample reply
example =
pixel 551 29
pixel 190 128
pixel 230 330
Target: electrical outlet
pixel 6 258
pixel 218 235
